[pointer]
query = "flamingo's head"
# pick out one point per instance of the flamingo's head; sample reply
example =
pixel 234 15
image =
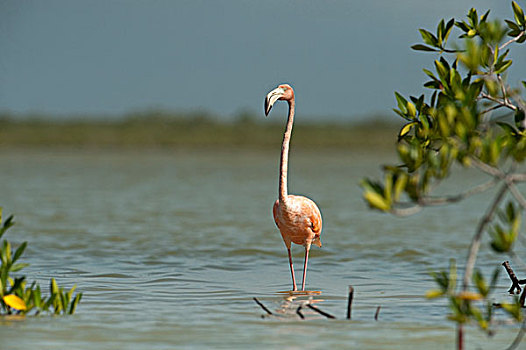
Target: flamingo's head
pixel 282 92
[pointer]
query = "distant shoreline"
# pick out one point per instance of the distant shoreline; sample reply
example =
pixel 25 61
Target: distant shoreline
pixel 176 132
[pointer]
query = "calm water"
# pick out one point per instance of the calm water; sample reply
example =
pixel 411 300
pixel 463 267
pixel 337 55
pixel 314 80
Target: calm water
pixel 169 248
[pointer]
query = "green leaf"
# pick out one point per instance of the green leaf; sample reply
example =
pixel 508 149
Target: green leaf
pixel 17 284
pixel 53 287
pixel 402 102
pixel 19 251
pixel 434 293
pixel 370 185
pixel 503 66
pixel 463 26
pixel 514 309
pixel 514 27
pixel 442 70
pixel 510 212
pixel 420 47
pixel 411 110
pixel 74 304
pixel 480 283
pixel 375 200
pixel 432 84
pixel 429 38
pixel 447 29
pixel 473 18
pixel 6 256
pixel 18 267
pixel 406 129
pixel 70 293
pixel 7 224
pixel 518 13
pixel 500 59
pixel 400 183
pixel 440 32
pixel 37 298
pixel 388 187
pixel 520 119
pixel 484 17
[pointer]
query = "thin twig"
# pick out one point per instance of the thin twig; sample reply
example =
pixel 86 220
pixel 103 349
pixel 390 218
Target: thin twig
pixel 475 242
pixel 262 306
pixel 323 313
pixel 435 201
pixel 503 89
pixel 491 109
pixel 512 40
pixel 412 210
pixel 504 103
pixel 486 168
pixel 427 201
pixel 349 302
pixel 517 177
pixel 517 194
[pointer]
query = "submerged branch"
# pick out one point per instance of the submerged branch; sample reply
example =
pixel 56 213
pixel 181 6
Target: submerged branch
pixel 323 313
pixel 377 313
pixel 262 306
pixel 349 302
pixel 298 312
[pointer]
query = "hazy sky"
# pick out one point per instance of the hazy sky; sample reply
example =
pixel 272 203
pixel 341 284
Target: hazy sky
pixel 344 58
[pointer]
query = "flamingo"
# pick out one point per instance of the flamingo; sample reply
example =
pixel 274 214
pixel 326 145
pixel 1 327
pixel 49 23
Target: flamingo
pixel 298 218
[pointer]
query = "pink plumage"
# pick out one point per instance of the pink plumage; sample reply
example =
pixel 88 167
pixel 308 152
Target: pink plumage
pixel 298 218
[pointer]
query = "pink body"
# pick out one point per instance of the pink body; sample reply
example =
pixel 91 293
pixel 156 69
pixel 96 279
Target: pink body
pixel 298 220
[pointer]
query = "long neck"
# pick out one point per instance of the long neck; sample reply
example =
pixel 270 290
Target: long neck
pixel 283 167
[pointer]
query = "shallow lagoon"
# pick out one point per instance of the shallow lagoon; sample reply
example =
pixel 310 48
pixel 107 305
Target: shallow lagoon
pixel 170 247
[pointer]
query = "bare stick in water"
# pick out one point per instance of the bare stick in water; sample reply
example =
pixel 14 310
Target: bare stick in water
pixel 262 306
pixel 349 303
pixel 298 311
pixel 513 278
pixel 377 313
pixel 323 313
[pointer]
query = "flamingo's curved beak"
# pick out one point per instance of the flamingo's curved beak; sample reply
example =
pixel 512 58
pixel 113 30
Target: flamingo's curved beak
pixel 272 97
pixel 317 241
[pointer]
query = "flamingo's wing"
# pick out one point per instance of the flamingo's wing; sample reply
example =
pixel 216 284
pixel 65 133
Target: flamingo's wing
pixel 275 213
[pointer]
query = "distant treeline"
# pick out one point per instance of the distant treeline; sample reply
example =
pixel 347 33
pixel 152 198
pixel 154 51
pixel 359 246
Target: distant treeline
pixel 156 129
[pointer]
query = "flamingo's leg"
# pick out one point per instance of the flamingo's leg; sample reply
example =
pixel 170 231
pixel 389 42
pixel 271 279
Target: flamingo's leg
pixel 305 267
pixel 294 288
